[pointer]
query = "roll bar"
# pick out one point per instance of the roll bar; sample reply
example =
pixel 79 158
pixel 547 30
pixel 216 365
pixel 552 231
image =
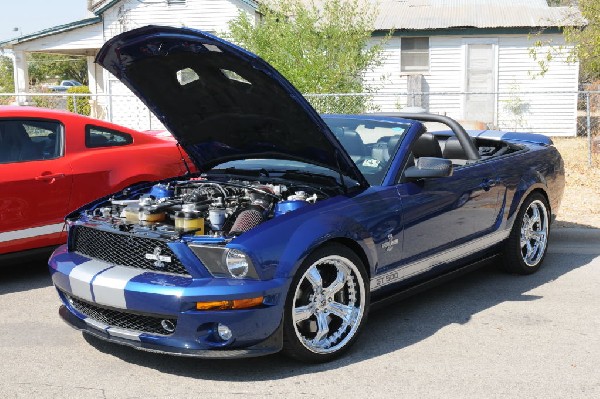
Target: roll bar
pixel 459 131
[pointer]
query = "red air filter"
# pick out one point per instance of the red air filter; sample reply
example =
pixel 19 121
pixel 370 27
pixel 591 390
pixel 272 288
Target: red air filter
pixel 246 220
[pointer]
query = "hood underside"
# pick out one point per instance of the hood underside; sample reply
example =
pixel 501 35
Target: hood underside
pixel 221 102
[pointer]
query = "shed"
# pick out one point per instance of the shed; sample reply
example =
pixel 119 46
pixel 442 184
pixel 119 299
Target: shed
pixel 470 59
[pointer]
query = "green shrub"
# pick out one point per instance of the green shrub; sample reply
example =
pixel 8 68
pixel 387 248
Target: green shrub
pixel 78 104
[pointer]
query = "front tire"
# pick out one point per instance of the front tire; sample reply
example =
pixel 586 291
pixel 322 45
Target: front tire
pixel 526 246
pixel 326 306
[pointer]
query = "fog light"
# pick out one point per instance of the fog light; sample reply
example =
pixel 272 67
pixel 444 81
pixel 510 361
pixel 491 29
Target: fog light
pixel 167 325
pixel 224 332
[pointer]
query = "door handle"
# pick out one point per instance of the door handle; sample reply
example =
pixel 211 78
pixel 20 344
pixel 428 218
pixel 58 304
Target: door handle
pixel 51 177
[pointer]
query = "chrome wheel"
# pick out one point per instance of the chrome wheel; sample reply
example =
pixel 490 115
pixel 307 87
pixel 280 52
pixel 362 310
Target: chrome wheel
pixel 328 304
pixel 534 233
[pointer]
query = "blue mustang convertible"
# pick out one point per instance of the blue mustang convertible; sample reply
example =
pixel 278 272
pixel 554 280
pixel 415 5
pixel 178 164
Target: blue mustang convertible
pixel 297 224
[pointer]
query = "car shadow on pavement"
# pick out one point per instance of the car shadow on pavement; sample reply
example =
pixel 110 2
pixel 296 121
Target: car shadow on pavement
pixel 390 329
pixel 24 276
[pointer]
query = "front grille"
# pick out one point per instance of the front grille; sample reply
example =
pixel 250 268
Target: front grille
pixel 128 321
pixel 124 249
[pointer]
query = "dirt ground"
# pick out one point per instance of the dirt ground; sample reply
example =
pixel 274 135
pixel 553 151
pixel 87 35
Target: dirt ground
pixel 581 201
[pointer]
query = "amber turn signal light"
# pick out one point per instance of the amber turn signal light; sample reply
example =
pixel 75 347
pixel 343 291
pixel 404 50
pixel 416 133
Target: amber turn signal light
pixel 234 304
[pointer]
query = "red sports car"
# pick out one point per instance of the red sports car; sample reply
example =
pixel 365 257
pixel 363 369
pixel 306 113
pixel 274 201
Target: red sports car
pixel 53 162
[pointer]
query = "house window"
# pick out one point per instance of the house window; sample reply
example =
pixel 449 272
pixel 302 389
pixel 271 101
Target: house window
pixel 414 54
pixel 101 137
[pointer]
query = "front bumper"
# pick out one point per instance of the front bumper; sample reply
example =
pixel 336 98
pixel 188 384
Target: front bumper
pixel 272 344
pixel 113 295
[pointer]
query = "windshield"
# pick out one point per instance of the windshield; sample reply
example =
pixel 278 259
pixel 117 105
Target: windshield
pixel 371 144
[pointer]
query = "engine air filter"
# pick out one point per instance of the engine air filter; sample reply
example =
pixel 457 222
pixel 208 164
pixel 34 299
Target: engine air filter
pixel 246 220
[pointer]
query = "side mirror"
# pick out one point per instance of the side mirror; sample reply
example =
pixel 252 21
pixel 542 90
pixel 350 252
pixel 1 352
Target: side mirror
pixel 428 167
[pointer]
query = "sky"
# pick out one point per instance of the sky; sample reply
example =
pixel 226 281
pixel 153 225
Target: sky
pixel 31 16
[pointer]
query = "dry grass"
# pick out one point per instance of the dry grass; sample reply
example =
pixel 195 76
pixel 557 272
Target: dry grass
pixel 581 201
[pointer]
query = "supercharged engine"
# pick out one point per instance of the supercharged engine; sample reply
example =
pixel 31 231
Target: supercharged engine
pixel 204 207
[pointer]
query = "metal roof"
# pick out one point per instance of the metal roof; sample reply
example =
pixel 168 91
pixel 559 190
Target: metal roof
pixel 411 15
pixel 442 14
pixel 51 31
pixel 98 7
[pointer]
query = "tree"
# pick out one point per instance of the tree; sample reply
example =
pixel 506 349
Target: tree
pixel 560 3
pixel 582 33
pixel 6 75
pixel 44 66
pixel 587 39
pixel 319 49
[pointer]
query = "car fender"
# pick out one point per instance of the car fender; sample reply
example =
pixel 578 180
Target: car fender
pixel 327 229
pixel 131 172
pixel 532 180
pixel 306 229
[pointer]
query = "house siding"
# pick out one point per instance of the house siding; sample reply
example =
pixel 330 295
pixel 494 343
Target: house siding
pixel 208 15
pixel 543 112
pixel 84 38
pixel 516 73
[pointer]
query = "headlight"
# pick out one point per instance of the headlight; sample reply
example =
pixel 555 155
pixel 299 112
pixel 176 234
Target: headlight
pixel 237 263
pixel 225 262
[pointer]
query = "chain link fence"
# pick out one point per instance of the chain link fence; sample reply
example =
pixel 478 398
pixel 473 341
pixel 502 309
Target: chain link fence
pixel 575 113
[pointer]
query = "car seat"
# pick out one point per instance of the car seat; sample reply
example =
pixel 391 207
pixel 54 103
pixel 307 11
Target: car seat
pixel 426 146
pixel 455 152
pixel 353 143
pixel 15 144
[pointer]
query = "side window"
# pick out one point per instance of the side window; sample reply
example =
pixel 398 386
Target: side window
pixel 96 136
pixel 414 54
pixel 30 140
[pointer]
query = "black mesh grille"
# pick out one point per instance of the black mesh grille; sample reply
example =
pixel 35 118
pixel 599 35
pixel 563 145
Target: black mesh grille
pixel 129 321
pixel 124 249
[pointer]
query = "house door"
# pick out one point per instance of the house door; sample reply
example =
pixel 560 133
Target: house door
pixel 480 77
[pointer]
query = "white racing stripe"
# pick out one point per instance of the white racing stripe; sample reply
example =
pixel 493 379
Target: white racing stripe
pixel 31 232
pixel 109 287
pixel 96 324
pixel 81 276
pixel 122 333
pixel 448 256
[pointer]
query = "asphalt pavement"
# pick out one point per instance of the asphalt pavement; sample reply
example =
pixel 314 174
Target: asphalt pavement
pixel 485 335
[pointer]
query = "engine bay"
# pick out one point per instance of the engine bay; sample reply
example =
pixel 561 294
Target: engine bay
pixel 202 207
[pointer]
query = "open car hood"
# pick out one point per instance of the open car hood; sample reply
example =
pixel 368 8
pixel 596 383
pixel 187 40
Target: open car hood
pixel 220 101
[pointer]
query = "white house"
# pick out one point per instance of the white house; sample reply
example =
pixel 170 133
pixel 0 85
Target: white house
pixel 107 19
pixel 444 47
pixel 440 48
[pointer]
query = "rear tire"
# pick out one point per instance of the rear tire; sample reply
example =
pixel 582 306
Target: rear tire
pixel 526 246
pixel 326 306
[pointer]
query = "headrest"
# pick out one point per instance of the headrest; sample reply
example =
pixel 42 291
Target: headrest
pixel 393 143
pixel 454 150
pixel 427 146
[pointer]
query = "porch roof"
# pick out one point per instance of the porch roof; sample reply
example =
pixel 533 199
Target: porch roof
pixel 61 39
